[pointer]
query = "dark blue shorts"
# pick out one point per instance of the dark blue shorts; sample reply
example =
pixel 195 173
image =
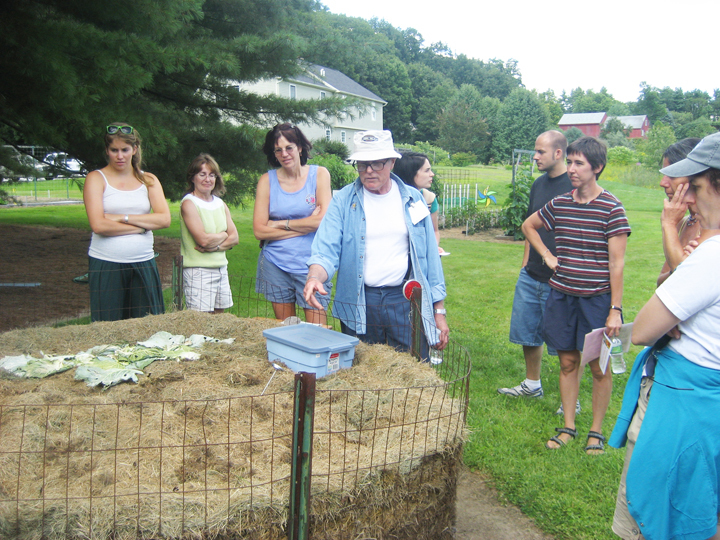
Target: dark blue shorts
pixel 569 318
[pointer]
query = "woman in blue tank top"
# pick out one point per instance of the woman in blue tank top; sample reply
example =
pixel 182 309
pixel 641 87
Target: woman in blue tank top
pixel 290 202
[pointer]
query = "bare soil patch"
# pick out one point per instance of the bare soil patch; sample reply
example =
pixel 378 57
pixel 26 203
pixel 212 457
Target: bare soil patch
pixel 490 235
pixel 37 270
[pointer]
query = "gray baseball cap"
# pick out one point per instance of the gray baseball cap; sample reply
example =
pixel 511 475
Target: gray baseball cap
pixel 706 155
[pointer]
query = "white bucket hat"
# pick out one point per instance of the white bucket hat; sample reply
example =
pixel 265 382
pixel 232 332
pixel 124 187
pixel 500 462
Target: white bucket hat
pixel 372 145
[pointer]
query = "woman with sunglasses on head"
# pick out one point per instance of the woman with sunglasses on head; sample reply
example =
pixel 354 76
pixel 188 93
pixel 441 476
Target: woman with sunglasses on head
pixel 124 204
pixel 290 202
pixel 207 233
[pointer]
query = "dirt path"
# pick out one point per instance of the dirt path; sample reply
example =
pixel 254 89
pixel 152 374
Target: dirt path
pixel 481 516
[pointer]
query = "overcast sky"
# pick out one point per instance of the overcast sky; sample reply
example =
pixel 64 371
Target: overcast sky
pixel 562 45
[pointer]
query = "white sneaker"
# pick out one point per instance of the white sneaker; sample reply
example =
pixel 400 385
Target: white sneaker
pixel 521 390
pixel 561 411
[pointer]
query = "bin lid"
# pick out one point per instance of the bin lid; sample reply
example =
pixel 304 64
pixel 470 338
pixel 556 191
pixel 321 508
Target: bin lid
pixel 311 338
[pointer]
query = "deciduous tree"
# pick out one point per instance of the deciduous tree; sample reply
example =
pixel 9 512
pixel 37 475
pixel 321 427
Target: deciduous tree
pixel 651 149
pixel 521 118
pixel 465 125
pixel 650 104
pixel 431 93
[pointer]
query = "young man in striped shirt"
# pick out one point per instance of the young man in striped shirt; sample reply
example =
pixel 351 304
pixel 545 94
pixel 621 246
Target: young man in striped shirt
pixel 591 231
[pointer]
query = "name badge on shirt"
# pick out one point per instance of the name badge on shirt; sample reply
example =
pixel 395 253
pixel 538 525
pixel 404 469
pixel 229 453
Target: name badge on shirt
pixel 418 211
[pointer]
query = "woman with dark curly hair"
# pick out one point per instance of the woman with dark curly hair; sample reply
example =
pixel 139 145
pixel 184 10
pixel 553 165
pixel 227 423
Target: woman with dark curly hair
pixel 290 202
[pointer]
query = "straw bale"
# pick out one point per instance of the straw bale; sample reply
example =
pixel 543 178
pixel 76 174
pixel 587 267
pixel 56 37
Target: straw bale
pixel 194 451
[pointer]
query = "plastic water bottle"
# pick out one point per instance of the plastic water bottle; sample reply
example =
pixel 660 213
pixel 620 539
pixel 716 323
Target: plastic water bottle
pixel 616 356
pixel 435 356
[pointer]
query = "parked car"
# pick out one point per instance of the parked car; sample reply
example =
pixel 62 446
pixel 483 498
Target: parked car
pixel 57 163
pixel 19 166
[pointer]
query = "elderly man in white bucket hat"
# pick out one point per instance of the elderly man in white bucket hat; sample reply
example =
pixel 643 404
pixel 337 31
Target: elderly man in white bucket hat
pixel 377 234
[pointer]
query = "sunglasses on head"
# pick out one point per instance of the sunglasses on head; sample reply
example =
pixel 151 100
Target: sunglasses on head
pixel 112 129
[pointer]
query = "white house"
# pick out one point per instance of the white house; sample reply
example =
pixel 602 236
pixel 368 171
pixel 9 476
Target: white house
pixel 317 82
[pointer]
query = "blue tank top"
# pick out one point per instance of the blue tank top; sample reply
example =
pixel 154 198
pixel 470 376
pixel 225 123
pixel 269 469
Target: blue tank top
pixel 291 254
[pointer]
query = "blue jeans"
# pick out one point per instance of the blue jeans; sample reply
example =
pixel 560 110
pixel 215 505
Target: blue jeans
pixel 388 320
pixel 528 310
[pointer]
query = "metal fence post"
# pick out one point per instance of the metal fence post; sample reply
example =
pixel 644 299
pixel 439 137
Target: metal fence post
pixel 300 476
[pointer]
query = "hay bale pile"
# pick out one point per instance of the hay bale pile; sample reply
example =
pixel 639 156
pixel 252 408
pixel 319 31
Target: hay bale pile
pixel 194 450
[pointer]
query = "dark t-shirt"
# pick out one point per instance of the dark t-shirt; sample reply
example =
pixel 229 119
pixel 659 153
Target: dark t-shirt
pixel 543 190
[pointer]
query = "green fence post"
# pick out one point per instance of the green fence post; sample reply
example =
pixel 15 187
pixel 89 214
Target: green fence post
pixel 177 282
pixel 301 472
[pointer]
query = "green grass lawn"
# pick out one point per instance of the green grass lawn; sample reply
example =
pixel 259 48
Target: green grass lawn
pixel 569 494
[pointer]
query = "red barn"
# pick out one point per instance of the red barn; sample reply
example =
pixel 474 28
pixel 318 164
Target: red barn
pixel 589 123
pixel 639 125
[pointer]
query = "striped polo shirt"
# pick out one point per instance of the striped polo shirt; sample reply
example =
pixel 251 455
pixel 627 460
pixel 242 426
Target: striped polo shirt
pixel 581 237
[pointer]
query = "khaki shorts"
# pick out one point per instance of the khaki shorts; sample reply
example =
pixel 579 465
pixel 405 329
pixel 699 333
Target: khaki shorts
pixel 624 525
pixel 207 289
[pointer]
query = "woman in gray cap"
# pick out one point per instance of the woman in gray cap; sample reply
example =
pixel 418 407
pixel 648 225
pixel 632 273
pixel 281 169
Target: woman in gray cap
pixel 670 486
pixel 377 233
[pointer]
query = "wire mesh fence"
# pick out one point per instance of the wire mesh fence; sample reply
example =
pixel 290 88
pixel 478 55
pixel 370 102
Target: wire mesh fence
pixel 383 452
pixel 41 190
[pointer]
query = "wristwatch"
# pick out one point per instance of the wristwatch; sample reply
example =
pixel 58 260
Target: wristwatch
pixel 125 219
pixel 441 311
pixel 287 225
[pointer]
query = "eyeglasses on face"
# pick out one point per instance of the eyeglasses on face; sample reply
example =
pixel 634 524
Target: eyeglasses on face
pixel 204 175
pixel 376 166
pixel 290 148
pixel 113 129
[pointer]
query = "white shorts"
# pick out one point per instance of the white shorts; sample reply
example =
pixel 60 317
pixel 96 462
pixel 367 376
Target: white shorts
pixel 207 289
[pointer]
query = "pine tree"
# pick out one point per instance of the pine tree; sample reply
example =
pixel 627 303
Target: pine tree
pixel 70 67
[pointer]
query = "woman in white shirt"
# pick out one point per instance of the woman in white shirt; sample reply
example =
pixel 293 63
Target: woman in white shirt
pixel 124 204
pixel 671 482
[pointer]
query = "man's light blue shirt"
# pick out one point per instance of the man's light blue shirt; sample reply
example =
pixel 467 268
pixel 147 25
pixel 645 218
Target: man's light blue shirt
pixel 339 245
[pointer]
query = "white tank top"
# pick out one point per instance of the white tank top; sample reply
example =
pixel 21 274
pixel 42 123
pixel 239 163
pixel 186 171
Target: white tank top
pixel 127 248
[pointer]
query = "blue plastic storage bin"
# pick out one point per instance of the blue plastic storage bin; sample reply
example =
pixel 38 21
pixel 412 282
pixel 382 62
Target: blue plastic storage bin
pixel 310 348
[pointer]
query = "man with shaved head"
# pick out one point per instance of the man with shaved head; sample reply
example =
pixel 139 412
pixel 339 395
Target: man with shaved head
pixel 532 286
